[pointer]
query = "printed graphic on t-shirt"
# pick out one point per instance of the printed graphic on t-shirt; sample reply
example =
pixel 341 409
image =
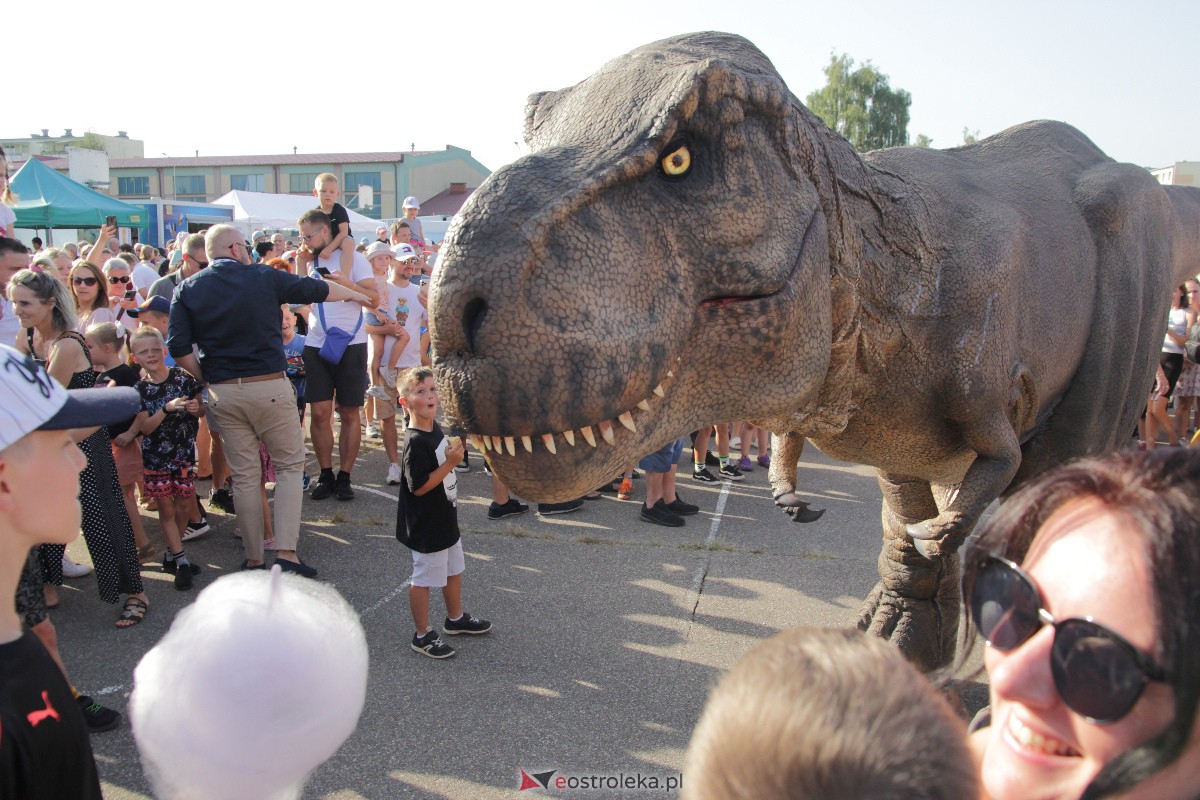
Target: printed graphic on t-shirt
pixel 450 482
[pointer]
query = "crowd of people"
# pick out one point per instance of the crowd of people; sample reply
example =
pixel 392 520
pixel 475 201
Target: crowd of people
pixel 1085 586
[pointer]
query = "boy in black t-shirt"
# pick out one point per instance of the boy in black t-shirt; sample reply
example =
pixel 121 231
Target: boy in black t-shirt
pixel 44 747
pixel 326 191
pixel 427 516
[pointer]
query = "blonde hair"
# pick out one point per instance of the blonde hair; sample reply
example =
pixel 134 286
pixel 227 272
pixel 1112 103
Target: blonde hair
pixel 146 332
pixel 47 289
pixel 109 333
pixel 324 178
pixel 830 714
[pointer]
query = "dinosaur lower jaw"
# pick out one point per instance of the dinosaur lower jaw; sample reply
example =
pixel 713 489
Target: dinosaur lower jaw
pixel 605 431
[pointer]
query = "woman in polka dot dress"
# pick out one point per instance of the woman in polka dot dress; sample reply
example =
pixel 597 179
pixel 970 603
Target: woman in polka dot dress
pixel 46 312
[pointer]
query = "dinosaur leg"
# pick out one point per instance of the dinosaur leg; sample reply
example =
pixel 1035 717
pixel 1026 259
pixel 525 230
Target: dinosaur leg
pixel 916 602
pixel 786 450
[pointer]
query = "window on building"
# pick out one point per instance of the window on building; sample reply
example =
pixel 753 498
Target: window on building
pixel 247 183
pixel 350 197
pixel 302 182
pixel 134 186
pixel 190 187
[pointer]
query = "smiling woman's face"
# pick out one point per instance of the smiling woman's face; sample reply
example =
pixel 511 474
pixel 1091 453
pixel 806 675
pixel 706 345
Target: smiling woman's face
pixel 1086 562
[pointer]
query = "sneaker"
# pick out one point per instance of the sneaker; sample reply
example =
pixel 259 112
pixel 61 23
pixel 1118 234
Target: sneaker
pixel 735 442
pixel 626 490
pixel 305 481
pixel 98 718
pixel 431 645
pixel 745 464
pixel 183 577
pixel 509 509
pixel 661 515
pixel 764 460
pixel 296 567
pixel 171 568
pixel 72 570
pixel 466 624
pixel 703 475
pixel 389 375
pixel 731 472
pixel 195 530
pixel 711 460
pixel 549 509
pixel 677 506
pixel 393 476
pixel 323 489
pixel 373 431
pixel 342 489
pixel 222 499
pixel 465 464
pixel 379 393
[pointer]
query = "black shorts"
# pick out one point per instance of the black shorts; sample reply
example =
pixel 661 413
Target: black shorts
pixel 347 380
pixel 1172 364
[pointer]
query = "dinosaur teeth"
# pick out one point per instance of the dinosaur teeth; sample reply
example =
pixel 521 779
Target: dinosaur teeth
pixel 588 436
pixel 570 437
pixel 658 391
pixel 606 432
pixel 527 443
pixel 496 443
pixel 510 444
pixel 548 441
pixel 644 405
pixel 477 442
pixel 626 419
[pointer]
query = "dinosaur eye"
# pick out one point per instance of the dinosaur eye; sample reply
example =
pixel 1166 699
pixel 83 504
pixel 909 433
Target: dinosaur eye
pixel 677 162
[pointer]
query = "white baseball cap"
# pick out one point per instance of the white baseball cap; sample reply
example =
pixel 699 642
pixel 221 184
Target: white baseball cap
pixel 411 202
pixel 404 251
pixel 378 249
pixel 30 400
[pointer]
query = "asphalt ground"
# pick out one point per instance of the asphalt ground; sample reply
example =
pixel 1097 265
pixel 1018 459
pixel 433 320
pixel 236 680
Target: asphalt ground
pixel 609 631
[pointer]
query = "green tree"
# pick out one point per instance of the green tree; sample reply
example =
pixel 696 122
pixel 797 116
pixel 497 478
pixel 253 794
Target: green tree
pixel 861 105
pixel 923 141
pixel 90 141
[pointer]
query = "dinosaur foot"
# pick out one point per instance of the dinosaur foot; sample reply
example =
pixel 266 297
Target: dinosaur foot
pixel 797 508
pixel 924 630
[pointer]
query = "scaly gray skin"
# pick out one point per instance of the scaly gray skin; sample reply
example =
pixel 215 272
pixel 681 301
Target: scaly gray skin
pixel 959 319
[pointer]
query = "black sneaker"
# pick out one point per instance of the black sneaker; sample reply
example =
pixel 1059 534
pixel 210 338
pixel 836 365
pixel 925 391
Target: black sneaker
pixel 660 515
pixel 171 568
pixel 195 530
pixel 703 475
pixel 296 567
pixel 431 645
pixel 509 509
pixel 323 488
pixel 183 577
pixel 98 718
pixel 547 509
pixel 731 472
pixel 222 499
pixel 677 506
pixel 710 460
pixel 466 624
pixel 342 489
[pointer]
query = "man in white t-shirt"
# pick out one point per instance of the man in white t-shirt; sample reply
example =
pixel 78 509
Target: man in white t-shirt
pixel 347 379
pixel 404 306
pixel 14 257
pixel 144 273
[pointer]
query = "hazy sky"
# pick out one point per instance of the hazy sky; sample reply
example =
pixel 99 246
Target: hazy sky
pixel 242 78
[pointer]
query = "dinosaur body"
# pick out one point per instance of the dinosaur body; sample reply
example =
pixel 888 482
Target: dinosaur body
pixel 683 226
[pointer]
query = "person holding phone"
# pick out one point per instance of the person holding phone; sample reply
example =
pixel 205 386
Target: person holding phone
pixel 122 294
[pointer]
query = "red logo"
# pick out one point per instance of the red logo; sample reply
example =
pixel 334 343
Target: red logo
pixel 538 780
pixel 48 712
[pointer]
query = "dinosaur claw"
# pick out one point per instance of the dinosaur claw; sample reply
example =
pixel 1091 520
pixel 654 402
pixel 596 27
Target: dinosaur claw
pixel 805 513
pixel 923 537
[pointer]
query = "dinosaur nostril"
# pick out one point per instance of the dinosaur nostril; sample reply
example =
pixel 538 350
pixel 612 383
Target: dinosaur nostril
pixel 473 314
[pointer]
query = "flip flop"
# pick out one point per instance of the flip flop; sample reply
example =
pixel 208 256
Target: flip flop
pixel 133 613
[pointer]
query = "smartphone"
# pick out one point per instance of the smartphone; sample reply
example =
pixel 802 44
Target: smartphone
pixel 130 294
pixel 323 270
pixel 111 222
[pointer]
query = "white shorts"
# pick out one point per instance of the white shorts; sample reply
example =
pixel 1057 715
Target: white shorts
pixel 432 569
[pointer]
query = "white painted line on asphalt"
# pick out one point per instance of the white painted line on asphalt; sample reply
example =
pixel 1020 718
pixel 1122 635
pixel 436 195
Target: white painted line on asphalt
pixel 392 497
pixel 392 596
pixel 693 600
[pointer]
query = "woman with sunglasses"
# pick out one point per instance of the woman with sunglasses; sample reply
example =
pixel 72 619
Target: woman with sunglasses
pixel 122 294
pixel 1086 587
pixel 89 289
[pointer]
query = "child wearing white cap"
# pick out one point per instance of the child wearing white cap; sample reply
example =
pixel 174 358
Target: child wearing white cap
pixel 44 747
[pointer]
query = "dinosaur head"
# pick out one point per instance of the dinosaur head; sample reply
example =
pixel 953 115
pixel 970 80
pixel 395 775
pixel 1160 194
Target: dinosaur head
pixel 659 261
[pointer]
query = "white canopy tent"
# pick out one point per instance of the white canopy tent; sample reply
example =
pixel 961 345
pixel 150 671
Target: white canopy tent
pixel 257 210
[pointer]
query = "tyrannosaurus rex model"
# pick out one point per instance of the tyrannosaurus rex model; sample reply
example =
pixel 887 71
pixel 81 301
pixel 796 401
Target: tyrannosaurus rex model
pixel 683 227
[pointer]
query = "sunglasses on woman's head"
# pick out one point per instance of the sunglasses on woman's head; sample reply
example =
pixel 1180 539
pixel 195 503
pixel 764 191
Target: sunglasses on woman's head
pixel 83 281
pixel 118 279
pixel 1098 674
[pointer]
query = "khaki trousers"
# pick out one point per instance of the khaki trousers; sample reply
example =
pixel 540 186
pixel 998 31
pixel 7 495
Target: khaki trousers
pixel 265 411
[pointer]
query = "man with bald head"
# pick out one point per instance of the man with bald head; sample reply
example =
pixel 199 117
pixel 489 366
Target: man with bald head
pixel 232 311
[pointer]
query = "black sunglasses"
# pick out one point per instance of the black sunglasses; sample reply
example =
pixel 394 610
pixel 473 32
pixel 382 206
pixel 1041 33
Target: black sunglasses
pixel 118 279
pixel 84 281
pixel 1098 674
